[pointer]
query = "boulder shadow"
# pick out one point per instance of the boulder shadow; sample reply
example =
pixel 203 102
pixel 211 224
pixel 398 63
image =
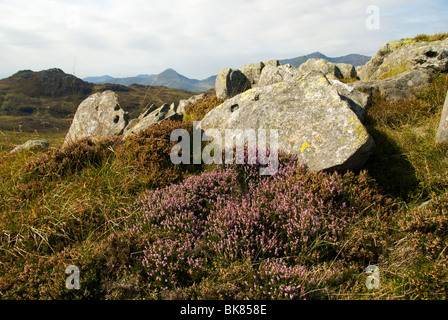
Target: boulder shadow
pixel 391 169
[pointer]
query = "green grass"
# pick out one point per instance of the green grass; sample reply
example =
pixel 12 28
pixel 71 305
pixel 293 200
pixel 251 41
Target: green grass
pixel 408 163
pixel 10 139
pixel 429 38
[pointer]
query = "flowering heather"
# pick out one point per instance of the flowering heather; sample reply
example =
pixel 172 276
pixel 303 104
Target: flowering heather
pixel 279 279
pixel 233 214
pixel 280 216
pixel 176 217
pixel 275 279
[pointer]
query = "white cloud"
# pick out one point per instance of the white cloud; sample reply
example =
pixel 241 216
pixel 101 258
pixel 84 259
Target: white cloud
pixel 196 37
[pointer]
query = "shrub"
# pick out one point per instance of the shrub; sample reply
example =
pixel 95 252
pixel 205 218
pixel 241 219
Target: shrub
pixel 277 279
pixel 197 111
pixel 426 229
pixel 148 153
pixel 368 237
pixel 284 215
pixel 70 158
pixel 233 215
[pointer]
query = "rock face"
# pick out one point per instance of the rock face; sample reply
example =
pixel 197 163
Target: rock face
pixel 230 82
pixel 442 132
pixel 99 116
pixel 357 100
pixel 32 145
pixel 312 120
pixel 277 73
pixel 399 56
pixel 347 71
pixel 253 71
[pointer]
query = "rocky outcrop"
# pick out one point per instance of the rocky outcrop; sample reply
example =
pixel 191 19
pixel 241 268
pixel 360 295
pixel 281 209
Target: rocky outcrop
pixel 397 57
pixel 98 117
pixel 339 70
pixel 321 65
pixel 230 82
pixel 442 132
pixel 403 86
pixel 152 116
pixel 32 145
pixel 401 69
pixel 312 120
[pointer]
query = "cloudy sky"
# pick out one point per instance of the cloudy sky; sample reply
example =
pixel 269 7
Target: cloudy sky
pixel 198 38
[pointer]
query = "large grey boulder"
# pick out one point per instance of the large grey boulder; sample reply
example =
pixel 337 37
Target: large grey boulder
pixel 230 82
pixel 397 57
pixel 32 145
pixel 97 117
pixel 403 86
pixel 312 120
pixel 442 132
pixel 151 117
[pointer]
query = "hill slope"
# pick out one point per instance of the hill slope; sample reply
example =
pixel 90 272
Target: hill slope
pixel 47 100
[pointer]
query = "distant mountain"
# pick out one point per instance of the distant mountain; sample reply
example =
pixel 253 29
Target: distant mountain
pixel 354 59
pixel 168 78
pixel 171 79
pixel 101 79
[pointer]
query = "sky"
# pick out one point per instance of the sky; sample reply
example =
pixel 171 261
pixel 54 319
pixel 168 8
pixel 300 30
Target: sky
pixel 198 38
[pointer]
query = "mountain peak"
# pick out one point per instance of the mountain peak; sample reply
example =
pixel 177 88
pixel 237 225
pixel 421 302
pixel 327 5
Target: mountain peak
pixel 170 72
pixel 317 54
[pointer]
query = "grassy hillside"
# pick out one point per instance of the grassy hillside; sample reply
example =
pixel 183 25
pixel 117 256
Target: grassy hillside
pixel 139 227
pixel 47 100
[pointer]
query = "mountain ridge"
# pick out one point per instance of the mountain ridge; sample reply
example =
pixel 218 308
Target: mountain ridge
pixel 354 59
pixel 172 79
pixel 168 78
